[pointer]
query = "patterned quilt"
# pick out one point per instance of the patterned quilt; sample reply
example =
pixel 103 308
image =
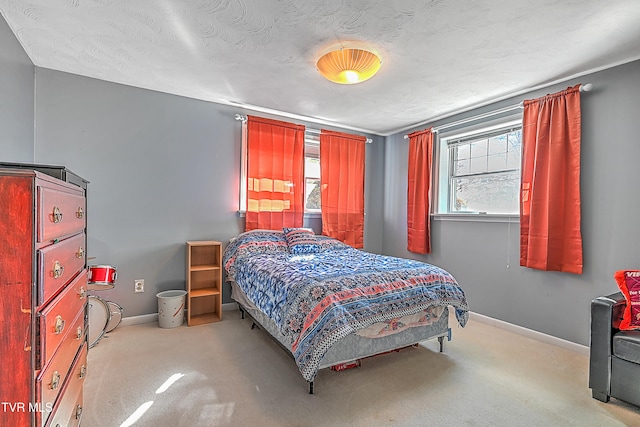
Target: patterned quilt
pixel 319 298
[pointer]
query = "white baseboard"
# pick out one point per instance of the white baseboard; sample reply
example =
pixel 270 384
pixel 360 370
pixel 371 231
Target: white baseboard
pixel 530 333
pixel 153 317
pixel 136 320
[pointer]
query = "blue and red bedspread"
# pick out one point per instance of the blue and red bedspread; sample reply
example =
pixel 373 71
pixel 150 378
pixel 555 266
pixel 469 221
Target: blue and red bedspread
pixel 318 298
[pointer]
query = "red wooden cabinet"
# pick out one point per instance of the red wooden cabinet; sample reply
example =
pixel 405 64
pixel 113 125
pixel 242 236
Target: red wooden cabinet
pixel 43 282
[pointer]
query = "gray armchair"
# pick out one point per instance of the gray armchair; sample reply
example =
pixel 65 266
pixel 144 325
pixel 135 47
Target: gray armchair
pixel 614 364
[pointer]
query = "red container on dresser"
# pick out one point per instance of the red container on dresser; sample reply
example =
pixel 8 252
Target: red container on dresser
pixel 43 284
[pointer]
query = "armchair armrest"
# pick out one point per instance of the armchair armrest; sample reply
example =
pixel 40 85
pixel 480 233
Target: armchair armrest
pixel 606 312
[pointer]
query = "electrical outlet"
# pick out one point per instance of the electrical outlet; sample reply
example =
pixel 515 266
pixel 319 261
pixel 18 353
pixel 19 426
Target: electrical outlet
pixel 138 285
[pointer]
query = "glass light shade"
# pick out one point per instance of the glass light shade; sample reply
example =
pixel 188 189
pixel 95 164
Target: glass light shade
pixel 348 66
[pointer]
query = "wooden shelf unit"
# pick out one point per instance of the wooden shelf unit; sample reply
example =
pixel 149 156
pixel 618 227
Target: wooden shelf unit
pixel 204 282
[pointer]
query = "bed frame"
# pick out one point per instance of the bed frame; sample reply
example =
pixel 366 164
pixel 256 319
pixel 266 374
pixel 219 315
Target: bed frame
pixel 352 347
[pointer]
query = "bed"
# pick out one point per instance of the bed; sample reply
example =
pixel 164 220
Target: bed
pixel 328 304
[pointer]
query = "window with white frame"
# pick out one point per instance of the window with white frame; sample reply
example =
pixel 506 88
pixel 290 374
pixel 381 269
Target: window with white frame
pixel 479 168
pixel 311 173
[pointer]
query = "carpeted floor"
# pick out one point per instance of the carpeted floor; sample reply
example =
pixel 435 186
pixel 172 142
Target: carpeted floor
pixel 225 374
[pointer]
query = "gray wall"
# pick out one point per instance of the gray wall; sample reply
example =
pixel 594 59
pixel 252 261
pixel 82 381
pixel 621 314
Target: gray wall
pixel 16 99
pixel 163 169
pixel 484 256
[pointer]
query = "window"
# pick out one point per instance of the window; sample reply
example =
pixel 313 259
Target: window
pixel 479 169
pixel 311 173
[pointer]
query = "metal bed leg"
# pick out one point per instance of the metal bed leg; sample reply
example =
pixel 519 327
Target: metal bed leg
pixel 310 387
pixel 441 339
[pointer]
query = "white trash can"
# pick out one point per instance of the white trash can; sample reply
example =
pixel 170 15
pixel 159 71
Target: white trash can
pixel 171 308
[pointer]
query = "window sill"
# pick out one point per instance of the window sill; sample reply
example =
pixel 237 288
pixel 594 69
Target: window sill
pixel 475 217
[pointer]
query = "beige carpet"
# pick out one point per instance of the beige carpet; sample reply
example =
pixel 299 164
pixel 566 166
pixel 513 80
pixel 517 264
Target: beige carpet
pixel 225 374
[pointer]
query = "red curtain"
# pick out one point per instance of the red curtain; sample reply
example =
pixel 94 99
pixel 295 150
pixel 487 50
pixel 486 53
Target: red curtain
pixel 342 158
pixel 275 174
pixel 418 192
pixel 550 236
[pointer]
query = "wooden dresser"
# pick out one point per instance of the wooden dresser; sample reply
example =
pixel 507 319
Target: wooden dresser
pixel 43 285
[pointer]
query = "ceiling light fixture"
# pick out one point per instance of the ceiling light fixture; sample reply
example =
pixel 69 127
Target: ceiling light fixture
pixel 348 66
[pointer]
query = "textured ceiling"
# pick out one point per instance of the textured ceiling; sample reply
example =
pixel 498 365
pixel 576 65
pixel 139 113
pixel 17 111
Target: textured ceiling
pixel 439 56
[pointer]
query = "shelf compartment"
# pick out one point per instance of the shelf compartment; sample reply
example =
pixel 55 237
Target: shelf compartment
pixel 204 253
pixel 204 279
pixel 204 308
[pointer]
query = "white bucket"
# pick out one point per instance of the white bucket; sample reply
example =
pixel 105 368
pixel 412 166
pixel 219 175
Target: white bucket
pixel 171 308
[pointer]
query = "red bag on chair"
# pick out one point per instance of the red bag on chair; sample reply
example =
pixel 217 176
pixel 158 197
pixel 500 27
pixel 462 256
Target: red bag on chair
pixel 629 284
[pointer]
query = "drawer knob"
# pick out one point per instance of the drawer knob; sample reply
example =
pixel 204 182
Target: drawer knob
pixel 83 372
pixel 58 269
pixel 59 325
pixel 78 412
pixel 80 213
pixel 79 332
pixel 55 380
pixel 57 215
pixel 80 253
pixel 82 293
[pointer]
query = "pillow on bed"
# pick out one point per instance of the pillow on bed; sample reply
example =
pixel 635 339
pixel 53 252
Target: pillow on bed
pixel 629 284
pixel 252 243
pixel 327 243
pixel 301 240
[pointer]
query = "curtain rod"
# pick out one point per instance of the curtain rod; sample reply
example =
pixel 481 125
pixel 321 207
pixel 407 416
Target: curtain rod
pixel 315 131
pixel 583 88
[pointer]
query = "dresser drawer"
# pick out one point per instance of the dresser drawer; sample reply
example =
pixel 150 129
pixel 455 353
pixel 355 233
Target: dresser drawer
pixel 67 411
pixel 61 211
pixel 50 381
pixel 59 263
pixel 75 336
pixel 56 320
